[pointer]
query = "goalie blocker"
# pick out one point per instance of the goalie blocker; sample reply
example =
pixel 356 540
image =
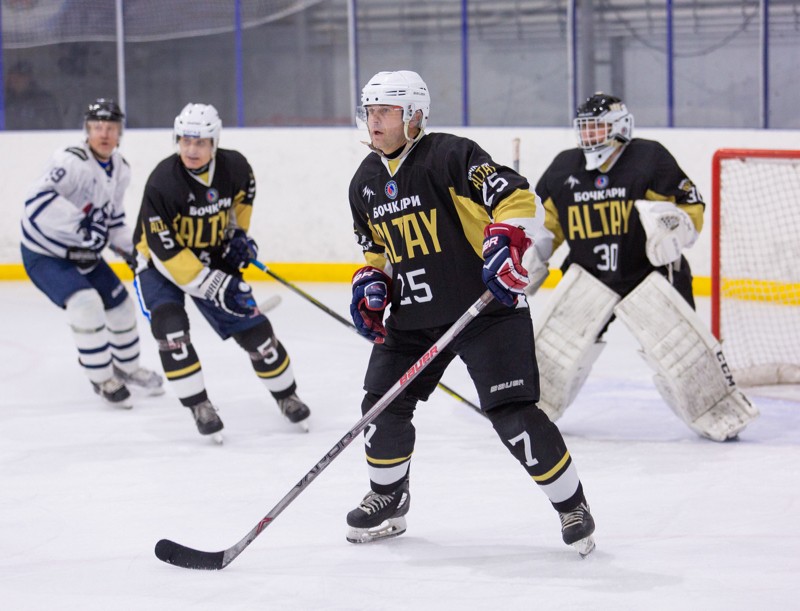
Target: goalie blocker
pixel 691 372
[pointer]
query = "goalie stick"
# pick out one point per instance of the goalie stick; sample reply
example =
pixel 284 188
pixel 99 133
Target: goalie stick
pixel 188 558
pixel 348 324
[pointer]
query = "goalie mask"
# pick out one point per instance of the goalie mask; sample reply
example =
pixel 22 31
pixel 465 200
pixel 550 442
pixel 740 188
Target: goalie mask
pixel 602 125
pixel 198 121
pixel 403 88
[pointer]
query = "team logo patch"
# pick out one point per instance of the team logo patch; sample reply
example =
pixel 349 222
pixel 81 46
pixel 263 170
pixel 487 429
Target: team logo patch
pixel 212 196
pixel 391 189
pixel 601 182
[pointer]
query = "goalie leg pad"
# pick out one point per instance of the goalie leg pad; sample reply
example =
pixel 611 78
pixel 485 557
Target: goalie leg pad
pixel 567 332
pixel 692 374
pixel 87 322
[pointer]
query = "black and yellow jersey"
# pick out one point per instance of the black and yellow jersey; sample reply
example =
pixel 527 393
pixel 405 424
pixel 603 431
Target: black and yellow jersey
pixel 421 218
pixel 593 210
pixel 184 216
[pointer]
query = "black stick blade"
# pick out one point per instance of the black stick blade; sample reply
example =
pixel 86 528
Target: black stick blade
pixel 188 558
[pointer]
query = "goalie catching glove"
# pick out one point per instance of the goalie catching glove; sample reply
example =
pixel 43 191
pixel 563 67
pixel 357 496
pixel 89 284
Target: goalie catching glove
pixel 229 293
pixel 503 272
pixel 370 297
pixel 669 230
pixel 239 248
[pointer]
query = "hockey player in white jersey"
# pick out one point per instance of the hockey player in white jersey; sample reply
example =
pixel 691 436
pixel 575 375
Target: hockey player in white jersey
pixel 72 212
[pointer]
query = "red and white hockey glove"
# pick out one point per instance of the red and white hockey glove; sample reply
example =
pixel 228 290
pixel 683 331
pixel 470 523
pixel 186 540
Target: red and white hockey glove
pixel 503 273
pixel 370 297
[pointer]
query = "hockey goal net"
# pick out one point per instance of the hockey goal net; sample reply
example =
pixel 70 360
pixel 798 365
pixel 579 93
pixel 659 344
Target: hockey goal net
pixel 755 264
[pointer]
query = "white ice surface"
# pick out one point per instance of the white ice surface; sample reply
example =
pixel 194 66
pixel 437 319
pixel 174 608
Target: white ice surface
pixel 86 490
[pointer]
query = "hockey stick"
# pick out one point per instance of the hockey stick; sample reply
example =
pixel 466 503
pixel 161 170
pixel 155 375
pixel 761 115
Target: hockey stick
pixel 188 558
pixel 270 303
pixel 347 323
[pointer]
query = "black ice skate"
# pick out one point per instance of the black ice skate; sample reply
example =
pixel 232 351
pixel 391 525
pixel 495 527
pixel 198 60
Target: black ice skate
pixel 114 392
pixel 295 410
pixel 577 527
pixel 144 379
pixel 207 420
pixel 379 516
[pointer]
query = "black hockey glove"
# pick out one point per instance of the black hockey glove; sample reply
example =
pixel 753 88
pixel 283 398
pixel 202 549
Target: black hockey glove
pixel 503 273
pixel 229 293
pixel 239 249
pixel 370 297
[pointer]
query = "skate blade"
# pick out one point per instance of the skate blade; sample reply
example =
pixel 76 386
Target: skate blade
pixel 303 425
pixel 156 391
pixel 584 546
pixel 125 404
pixel 393 527
pixel 217 438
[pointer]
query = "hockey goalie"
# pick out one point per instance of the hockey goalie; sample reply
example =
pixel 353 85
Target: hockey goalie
pixel 627 211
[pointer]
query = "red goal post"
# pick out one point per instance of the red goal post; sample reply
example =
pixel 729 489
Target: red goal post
pixel 755 263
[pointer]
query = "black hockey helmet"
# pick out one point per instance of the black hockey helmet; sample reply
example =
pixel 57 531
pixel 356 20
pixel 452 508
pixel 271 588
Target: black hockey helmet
pixel 104 109
pixel 598 105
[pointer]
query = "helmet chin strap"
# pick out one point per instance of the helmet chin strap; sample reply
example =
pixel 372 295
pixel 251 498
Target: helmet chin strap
pixel 410 143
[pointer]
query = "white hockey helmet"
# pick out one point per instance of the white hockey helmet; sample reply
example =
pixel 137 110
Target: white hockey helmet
pixel 198 121
pixel 602 112
pixel 402 88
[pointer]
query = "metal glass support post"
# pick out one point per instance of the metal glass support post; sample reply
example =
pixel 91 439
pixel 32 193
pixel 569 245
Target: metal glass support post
pixel 120 36
pixel 352 54
pixel 572 59
pixel 237 32
pixel 670 69
pixel 465 62
pixel 764 72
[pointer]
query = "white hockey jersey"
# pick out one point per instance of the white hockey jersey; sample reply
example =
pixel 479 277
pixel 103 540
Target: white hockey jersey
pixel 73 185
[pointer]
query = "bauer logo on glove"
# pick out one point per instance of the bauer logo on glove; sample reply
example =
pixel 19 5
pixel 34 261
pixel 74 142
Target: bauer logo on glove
pixel 503 273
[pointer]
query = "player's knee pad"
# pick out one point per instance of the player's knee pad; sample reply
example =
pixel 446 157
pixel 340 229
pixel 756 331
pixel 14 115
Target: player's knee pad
pixel 258 341
pixel 537 444
pixel 567 331
pixel 511 419
pixel 269 358
pixel 403 407
pixel 170 327
pixel 122 318
pixel 692 374
pixel 85 311
pixel 389 441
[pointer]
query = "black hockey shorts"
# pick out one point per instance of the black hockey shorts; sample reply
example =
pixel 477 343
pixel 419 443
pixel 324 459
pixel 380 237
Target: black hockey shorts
pixel 497 348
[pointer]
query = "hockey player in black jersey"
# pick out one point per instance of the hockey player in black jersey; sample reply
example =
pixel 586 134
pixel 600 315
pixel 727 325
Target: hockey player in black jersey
pixel 438 221
pixel 627 211
pixel 192 239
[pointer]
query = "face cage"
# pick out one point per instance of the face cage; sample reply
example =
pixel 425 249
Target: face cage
pixel 593 124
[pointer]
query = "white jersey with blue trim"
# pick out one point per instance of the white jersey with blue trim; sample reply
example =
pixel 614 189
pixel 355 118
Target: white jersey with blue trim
pixel 73 184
